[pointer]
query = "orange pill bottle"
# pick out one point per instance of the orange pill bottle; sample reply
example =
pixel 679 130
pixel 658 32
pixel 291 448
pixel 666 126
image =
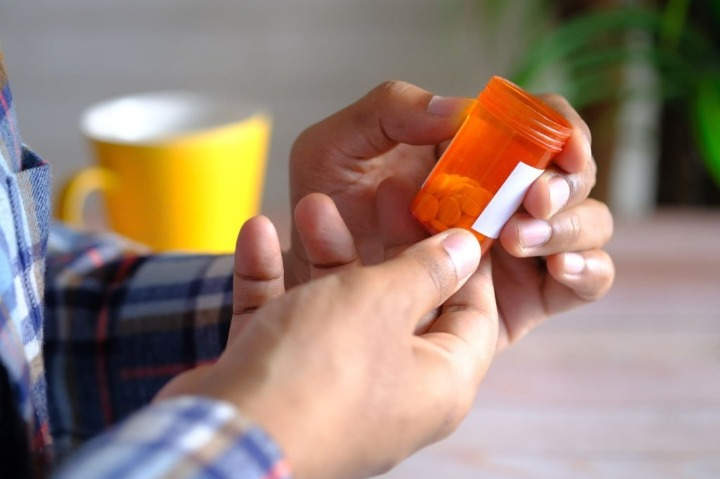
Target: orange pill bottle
pixel 504 145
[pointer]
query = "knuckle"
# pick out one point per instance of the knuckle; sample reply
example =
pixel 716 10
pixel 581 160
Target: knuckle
pixel 603 270
pixel 310 144
pixel 583 183
pixel 389 89
pixel 437 279
pixel 438 274
pixel 590 176
pixel 562 104
pixel 601 220
pixel 609 221
pixel 298 145
pixel 579 122
pixel 586 130
pixel 570 229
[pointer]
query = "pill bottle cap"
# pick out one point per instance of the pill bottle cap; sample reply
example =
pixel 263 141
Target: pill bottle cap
pixel 526 113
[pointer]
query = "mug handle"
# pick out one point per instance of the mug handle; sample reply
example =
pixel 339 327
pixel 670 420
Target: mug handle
pixel 74 195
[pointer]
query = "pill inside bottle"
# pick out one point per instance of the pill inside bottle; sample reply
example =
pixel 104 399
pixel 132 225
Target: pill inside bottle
pixel 502 147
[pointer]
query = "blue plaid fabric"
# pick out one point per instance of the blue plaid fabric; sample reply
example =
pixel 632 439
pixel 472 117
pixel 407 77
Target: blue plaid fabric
pixel 178 439
pixel 89 336
pixel 120 323
pixel 24 218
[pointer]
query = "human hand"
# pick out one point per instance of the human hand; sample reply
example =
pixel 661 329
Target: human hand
pixel 336 365
pixel 371 159
pixel 552 257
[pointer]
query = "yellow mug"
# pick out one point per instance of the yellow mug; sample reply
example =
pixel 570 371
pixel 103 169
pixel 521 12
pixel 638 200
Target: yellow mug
pixel 177 170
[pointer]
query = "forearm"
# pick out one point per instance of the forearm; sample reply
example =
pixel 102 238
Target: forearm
pixel 120 323
pixel 188 437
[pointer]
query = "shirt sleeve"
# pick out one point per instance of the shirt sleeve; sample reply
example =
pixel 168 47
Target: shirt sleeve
pixel 182 438
pixel 120 322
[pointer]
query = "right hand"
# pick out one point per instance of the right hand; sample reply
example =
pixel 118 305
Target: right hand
pixel 334 371
pixel 371 158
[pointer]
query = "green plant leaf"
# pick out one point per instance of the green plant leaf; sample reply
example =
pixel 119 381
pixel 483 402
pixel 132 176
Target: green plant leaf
pixel 706 123
pixel 582 33
pixel 590 33
pixel 675 74
pixel 674 21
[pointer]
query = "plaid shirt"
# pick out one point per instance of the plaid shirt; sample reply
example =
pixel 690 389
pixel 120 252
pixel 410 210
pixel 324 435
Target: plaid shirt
pixel 118 323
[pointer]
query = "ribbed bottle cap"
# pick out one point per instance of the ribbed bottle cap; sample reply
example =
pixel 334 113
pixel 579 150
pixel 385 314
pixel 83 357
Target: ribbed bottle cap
pixel 525 113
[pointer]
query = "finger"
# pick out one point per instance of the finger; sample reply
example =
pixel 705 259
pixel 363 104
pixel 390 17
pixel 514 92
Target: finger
pixel 465 336
pixel 258 271
pixel 577 278
pixel 392 113
pixel 468 323
pixel 577 151
pixel 572 280
pixel 420 278
pixel 572 174
pixel 329 244
pixel 399 229
pixel 585 226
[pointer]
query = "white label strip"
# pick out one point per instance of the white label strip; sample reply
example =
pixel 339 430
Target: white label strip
pixel 506 201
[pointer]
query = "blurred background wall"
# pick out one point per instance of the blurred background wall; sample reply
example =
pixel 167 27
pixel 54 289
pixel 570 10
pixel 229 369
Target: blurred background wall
pixel 304 59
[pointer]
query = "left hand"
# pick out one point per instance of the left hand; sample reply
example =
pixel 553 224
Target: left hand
pixel 371 159
pixel 339 357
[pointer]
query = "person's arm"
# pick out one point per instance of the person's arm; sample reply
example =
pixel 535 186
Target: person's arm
pixel 335 369
pixel 332 370
pixel 121 322
pixel 186 437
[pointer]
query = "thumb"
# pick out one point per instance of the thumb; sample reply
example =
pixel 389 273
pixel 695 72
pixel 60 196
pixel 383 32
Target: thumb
pixel 423 276
pixel 257 272
pixel 392 113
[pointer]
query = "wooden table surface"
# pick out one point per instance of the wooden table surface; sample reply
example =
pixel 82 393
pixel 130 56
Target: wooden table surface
pixel 626 388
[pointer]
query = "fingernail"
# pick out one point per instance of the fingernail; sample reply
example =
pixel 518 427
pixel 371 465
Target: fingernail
pixel 573 263
pixel 464 251
pixel 447 106
pixel 559 193
pixel 534 233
